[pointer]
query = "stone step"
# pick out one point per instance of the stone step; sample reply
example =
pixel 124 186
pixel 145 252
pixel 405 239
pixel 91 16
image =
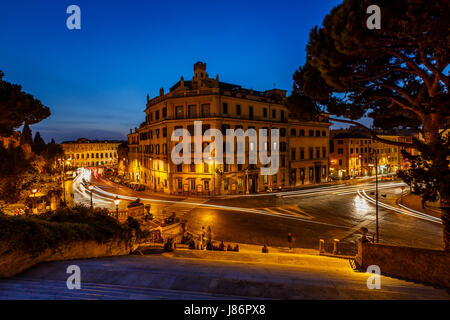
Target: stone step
pixel 51 289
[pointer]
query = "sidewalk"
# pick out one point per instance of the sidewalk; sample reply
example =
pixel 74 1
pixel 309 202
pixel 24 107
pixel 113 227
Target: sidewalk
pixel 414 202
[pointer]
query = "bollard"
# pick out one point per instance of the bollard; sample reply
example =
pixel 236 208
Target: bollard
pixel 321 246
pixel 336 246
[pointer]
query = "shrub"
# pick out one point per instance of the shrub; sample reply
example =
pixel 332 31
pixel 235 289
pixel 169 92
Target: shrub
pixel 35 234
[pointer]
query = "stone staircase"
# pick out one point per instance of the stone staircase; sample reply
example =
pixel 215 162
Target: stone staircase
pixel 31 289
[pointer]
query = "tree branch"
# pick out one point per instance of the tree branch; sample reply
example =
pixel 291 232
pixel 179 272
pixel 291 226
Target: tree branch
pixel 372 134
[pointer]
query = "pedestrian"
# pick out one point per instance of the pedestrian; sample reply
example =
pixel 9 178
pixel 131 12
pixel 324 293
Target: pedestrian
pixel 222 246
pixel 290 240
pixel 265 249
pixel 203 238
pixel 209 234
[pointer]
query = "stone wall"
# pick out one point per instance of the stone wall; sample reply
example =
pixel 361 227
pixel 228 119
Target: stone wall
pixel 14 261
pixel 423 265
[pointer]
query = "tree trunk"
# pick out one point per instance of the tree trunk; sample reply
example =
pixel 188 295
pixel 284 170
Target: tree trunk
pixel 433 138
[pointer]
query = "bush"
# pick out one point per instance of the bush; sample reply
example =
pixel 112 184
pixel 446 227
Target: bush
pixel 35 234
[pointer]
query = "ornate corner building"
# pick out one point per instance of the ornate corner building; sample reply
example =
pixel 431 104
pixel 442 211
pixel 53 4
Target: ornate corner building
pixel 303 146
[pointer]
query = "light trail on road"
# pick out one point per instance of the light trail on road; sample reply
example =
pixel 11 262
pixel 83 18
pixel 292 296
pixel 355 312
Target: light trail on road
pixel 108 198
pixel 416 214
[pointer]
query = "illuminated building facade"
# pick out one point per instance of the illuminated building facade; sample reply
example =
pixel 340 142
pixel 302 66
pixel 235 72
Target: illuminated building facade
pixel 353 154
pixel 86 153
pixel 350 155
pixel 303 146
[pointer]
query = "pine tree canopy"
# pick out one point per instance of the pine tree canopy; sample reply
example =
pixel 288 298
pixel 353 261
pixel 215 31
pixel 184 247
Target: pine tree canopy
pixel 18 107
pixel 397 75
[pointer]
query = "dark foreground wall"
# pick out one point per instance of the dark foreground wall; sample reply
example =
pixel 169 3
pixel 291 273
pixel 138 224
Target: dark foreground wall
pixel 424 265
pixel 13 261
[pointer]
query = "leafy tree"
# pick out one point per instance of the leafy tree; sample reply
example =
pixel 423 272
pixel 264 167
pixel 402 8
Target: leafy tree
pixel 397 75
pixel 52 152
pixel 38 144
pixel 27 136
pixel 18 107
pixel 15 173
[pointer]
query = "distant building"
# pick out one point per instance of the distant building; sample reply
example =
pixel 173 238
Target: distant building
pixel 303 146
pixel 86 153
pixel 352 154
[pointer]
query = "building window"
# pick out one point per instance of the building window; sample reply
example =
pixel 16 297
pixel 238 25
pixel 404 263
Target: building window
pixel 164 112
pixel 238 109
pixel 179 168
pixel 193 184
pixel 192 111
pixel 324 152
pixel 318 152
pixel 317 133
pixel 340 162
pixel 205 110
pixel 164 132
pixel 180 184
pixel 250 112
pixel 206 183
pixel 179 112
pixel 225 108
pixel 157 115
pixel 283 162
pixel 311 153
pixel 282 115
pixel 274 114
pixel 225 184
pixel 293 132
pixel 282 132
pixel 311 133
pixel 302 133
pixel 265 112
pixel 293 154
pixel 324 133
pixel 192 167
pixel 302 153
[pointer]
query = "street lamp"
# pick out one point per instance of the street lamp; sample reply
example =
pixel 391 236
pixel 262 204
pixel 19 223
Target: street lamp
pixel 116 202
pixel 63 177
pixel 374 151
pixel 91 187
pixel 34 198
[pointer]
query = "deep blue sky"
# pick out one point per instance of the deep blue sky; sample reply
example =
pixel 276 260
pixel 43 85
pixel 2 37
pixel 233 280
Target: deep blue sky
pixel 95 80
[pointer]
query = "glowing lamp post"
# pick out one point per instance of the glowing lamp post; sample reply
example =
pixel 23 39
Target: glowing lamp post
pixel 91 187
pixel 34 198
pixel 116 202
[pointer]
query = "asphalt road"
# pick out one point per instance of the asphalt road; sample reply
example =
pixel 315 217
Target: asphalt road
pixel 330 212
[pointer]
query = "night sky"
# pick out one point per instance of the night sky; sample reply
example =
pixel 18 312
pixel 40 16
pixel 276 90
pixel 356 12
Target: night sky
pixel 95 80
